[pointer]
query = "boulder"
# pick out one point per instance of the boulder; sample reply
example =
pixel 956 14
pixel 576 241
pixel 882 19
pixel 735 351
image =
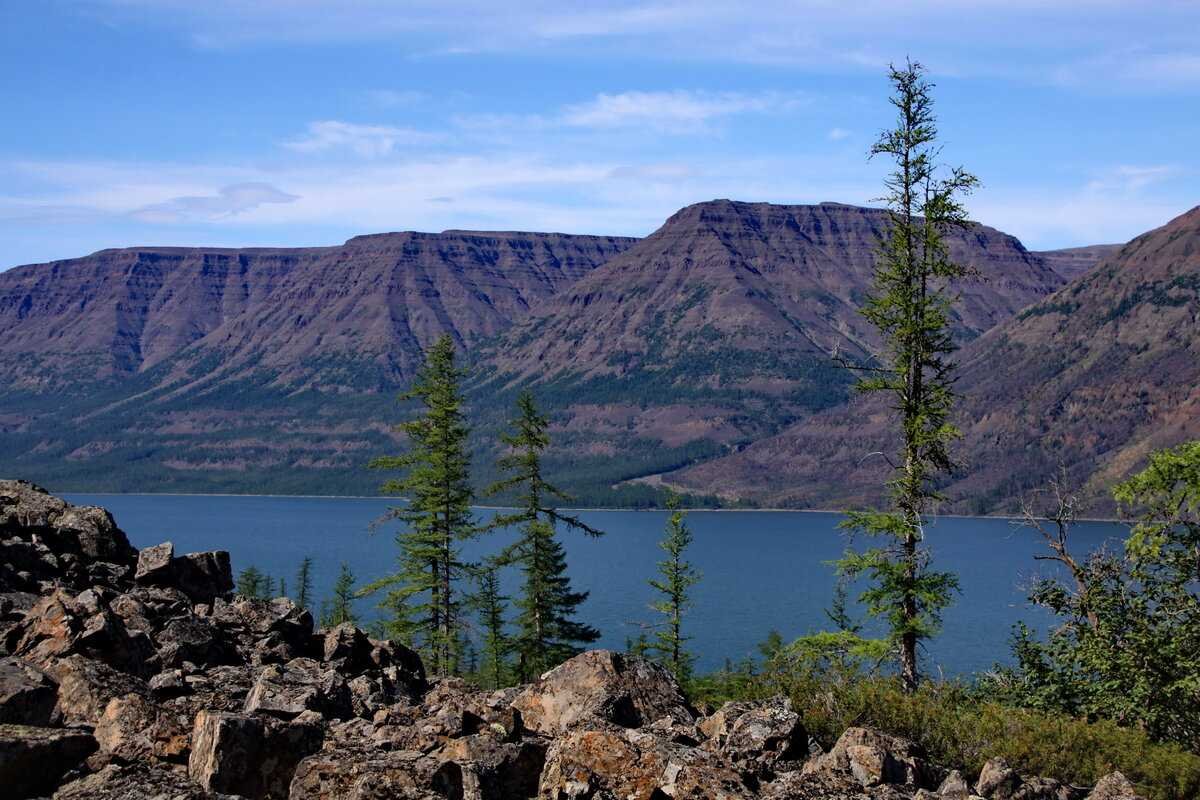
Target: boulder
pixel 132 728
pixel 347 649
pixel 85 687
pixel 27 695
pixel 1114 786
pixel 191 639
pixel 874 758
pixel 34 760
pixel 998 781
pixel 136 782
pixel 601 686
pixel 955 787
pixel 288 690
pixel 250 755
pixel 203 577
pixel 154 565
pixel 633 765
pixel 364 773
pixel 757 738
pixel 491 769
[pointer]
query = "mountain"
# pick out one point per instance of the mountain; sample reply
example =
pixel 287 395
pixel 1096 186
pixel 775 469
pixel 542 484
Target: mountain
pixel 707 355
pixel 720 328
pixel 376 299
pixel 1072 262
pixel 250 370
pixel 1088 380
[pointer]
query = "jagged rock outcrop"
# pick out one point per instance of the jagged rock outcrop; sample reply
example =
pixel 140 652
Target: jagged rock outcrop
pixel 129 687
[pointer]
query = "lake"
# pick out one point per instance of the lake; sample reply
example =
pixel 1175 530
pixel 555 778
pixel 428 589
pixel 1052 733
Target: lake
pixel 762 570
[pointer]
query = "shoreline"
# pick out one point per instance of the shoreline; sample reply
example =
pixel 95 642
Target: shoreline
pixel 1008 518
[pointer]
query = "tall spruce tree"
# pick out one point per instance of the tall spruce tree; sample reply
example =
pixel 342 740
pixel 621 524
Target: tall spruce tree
pixel 253 582
pixel 420 596
pixel 546 633
pixel 909 306
pixel 304 583
pixel 677 577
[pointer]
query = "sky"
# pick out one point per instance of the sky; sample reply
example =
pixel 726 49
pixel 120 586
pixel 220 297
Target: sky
pixel 306 122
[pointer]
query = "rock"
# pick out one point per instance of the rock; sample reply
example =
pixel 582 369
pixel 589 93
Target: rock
pixel 288 690
pixel 955 787
pixel 757 737
pixel 1114 786
pixel 132 728
pixel 634 765
pixel 203 576
pixel 997 781
pixel 347 649
pixel 33 760
pixel 27 695
pixel 266 631
pixel 250 755
pixel 601 685
pixel 61 624
pixel 154 564
pixel 875 758
pixel 189 638
pixel 85 687
pixel 137 782
pixel 491 769
pixel 368 774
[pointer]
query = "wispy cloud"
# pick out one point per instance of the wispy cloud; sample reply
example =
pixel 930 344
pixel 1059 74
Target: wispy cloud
pixel 367 141
pixel 678 111
pixel 228 201
pixel 837 134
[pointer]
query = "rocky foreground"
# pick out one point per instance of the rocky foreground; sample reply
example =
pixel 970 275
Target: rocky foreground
pixel 127 674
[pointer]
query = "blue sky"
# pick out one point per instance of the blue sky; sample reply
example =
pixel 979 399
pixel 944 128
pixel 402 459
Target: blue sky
pixel 305 122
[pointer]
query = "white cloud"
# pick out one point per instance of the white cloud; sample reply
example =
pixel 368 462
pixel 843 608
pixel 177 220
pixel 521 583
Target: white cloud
pixel 675 110
pixel 367 141
pixel 838 134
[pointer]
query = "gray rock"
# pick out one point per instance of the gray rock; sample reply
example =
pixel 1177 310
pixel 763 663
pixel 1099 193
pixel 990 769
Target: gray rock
pixel 154 564
pixel 27 695
pixel 1114 786
pixel 33 760
pixel 250 755
pixel 203 576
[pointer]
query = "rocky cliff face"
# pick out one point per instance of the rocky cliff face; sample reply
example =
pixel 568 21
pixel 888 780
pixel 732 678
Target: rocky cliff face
pixel 128 674
pixel 1090 379
pixel 376 299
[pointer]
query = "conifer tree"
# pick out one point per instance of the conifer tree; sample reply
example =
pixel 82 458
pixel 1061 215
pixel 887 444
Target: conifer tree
pixel 436 482
pixel 909 306
pixel 251 582
pixel 677 577
pixel 340 608
pixel 304 583
pixel 490 604
pixel 546 633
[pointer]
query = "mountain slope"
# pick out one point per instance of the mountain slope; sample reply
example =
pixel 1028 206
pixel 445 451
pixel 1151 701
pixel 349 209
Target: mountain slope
pixel 378 298
pixel 248 370
pixel 1089 379
pixel 1072 262
pixel 719 329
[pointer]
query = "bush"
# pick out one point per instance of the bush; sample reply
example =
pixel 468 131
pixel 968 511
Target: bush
pixel 958 726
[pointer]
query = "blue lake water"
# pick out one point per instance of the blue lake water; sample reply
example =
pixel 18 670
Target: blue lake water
pixel 762 570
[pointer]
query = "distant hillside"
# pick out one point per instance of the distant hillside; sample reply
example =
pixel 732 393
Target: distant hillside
pixel 1089 379
pixel 248 370
pixel 719 329
pixel 701 356
pixel 1075 261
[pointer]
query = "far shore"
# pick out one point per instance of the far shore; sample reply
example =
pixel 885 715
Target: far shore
pixel 704 509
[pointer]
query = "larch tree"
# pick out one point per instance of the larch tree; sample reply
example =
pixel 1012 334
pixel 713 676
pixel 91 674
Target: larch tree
pixel 421 596
pixel 340 608
pixel 304 586
pixel 676 578
pixel 547 633
pixel 910 307
pixel 490 604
